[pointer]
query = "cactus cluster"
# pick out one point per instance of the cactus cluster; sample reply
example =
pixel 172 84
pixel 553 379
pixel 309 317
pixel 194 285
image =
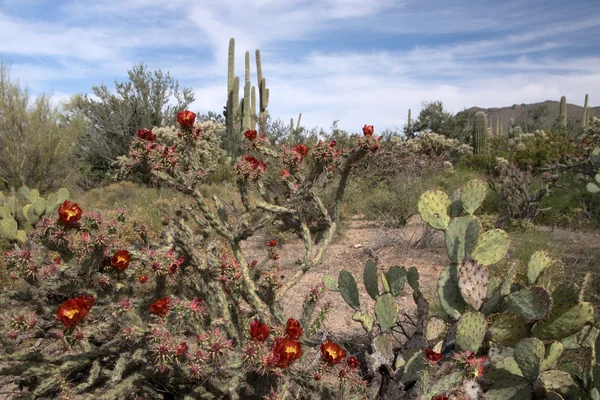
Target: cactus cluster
pixel 520 328
pixel 241 114
pixel 480 133
pixel 21 211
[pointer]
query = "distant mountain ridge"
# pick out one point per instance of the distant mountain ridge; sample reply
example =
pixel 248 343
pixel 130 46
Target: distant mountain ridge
pixel 520 113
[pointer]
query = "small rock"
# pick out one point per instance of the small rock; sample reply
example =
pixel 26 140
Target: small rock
pixel 357 246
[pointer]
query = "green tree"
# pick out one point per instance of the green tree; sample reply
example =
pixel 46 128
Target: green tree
pixel 432 116
pixel 145 101
pixel 36 139
pixel 535 118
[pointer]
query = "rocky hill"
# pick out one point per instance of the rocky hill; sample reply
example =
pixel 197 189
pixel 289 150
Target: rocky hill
pixel 523 114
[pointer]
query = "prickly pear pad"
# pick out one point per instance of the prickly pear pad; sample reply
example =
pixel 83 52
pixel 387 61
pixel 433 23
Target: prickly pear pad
pixel 473 280
pixel 433 207
pixel 564 320
pixel 491 247
pixel 537 263
pixel 470 331
pixel 473 195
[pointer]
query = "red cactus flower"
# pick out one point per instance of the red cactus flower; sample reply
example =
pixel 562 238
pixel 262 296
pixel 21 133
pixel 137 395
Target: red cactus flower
pixel 285 351
pixel 255 163
pixel 368 130
pixel 146 134
pixel 332 352
pixel 301 149
pixel 432 356
pixel 293 330
pixel 440 397
pixel 181 349
pixel 259 331
pixel 120 260
pixel 272 243
pixel 69 213
pixel 251 134
pixel 143 278
pixel 73 310
pixel 161 307
pixel 284 173
pixel 186 118
pixel 353 363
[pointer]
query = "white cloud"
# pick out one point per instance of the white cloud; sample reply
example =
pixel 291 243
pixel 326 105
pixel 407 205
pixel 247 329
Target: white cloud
pixel 507 52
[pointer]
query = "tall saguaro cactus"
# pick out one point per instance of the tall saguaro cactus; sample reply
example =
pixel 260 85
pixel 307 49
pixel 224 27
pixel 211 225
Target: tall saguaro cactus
pixel 563 113
pixel 240 115
pixel 511 128
pixel 480 133
pixel 586 113
pixel 409 122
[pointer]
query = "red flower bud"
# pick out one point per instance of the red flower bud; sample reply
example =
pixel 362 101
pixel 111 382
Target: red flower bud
pixel 161 307
pixel 368 130
pixel 251 134
pixel 259 331
pixel 293 330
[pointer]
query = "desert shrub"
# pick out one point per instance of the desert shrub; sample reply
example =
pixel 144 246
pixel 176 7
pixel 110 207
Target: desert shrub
pixel 538 149
pixel 142 102
pixel 36 140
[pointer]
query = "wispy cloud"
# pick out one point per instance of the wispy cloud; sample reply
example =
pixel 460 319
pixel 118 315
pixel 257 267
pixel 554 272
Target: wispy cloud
pixel 353 60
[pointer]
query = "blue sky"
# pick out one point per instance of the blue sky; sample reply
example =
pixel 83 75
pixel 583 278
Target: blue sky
pixel 357 61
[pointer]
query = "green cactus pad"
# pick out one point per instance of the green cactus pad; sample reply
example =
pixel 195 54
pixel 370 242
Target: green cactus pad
pixel 509 280
pixel 461 237
pixel 497 353
pixel 62 194
pixel 25 211
pixel 39 206
pixel 412 275
pixel 386 311
pixel 550 395
pixel 556 380
pixel 413 368
pixel 473 280
pixel 32 216
pixel 510 387
pixel 370 279
pixel 565 293
pixel 456 206
pixel 504 367
pixel 529 354
pixel 564 320
pixel 537 263
pixel 445 384
pixel 435 329
pixel 491 247
pixel 21 236
pixel 9 228
pixel 473 195
pixel 349 289
pixel 449 293
pixel 5 212
pixel 531 304
pixel 366 320
pixel 470 331
pixel 433 207
pixel 508 329
pixel 494 286
pixel 396 278
pixel 553 353
pixel 331 283
pixel 24 193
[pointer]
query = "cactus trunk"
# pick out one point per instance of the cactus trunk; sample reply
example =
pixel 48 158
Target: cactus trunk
pixel 480 133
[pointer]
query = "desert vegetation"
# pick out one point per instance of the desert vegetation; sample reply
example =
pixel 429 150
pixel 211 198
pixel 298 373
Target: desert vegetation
pixel 154 252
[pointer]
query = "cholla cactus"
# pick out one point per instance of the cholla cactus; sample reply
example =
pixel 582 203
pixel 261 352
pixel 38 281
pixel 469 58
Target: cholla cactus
pixel 190 314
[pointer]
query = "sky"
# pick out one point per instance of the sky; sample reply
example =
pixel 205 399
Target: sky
pixel 356 61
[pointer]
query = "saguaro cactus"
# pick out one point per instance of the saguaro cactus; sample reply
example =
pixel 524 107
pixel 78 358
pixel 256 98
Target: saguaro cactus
pixel 511 128
pixel 586 113
pixel 562 119
pixel 241 115
pixel 480 133
pixel 409 122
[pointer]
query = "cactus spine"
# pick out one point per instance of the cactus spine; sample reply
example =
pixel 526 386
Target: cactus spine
pixel 586 113
pixel 563 113
pixel 480 133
